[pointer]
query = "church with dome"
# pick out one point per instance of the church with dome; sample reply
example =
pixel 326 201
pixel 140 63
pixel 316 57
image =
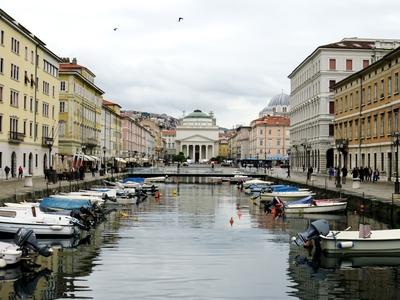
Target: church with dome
pixel 279 105
pixel 198 136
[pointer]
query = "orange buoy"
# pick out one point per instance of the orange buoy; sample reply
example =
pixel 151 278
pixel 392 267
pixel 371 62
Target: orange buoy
pixel 157 195
pixel 231 221
pixel 239 214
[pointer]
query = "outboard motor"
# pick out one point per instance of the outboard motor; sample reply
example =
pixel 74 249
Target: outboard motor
pixel 316 228
pixel 26 240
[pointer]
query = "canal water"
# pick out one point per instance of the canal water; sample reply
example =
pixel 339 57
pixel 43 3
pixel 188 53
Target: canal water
pixel 183 246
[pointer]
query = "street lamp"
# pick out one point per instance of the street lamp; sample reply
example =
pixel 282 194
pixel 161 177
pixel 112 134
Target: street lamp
pixel 396 143
pixel 288 151
pixel 49 142
pixel 104 159
pixel 341 145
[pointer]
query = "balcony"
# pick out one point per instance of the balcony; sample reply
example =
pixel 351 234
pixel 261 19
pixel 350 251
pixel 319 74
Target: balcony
pixel 47 141
pixel 91 142
pixel 16 137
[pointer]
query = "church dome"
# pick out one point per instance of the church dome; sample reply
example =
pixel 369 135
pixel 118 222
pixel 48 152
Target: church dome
pixel 197 114
pixel 279 100
pixel 278 105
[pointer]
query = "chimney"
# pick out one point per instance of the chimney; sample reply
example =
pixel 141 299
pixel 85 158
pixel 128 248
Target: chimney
pixel 74 61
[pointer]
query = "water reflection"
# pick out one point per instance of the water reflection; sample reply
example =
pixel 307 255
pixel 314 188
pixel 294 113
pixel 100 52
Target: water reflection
pixel 183 246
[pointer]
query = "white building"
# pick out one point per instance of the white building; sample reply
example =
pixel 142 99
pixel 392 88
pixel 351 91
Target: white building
pixel 197 136
pixel 311 98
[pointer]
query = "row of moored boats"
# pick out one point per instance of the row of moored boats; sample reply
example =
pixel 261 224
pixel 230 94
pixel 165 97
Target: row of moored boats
pixel 63 215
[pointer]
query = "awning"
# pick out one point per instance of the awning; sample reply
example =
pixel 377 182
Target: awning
pixel 95 157
pixel 119 159
pixel 88 158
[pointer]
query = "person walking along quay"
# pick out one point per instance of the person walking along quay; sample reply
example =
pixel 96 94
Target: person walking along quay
pixel 7 170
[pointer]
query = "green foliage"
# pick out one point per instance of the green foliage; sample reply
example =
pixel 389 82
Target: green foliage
pixel 179 158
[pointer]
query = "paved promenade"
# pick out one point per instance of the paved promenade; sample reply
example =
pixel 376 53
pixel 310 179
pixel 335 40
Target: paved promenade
pixel 15 187
pixel 381 190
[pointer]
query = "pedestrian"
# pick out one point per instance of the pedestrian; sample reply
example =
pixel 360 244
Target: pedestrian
pixel 81 172
pixel 288 172
pixel 20 172
pixel 304 168
pixel 309 172
pixel 7 170
pixel 93 170
pixel 331 173
pixel 344 175
pixel 376 175
pixel 361 174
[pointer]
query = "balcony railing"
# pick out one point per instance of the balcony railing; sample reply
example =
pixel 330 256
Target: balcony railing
pixel 16 137
pixel 91 142
pixel 47 141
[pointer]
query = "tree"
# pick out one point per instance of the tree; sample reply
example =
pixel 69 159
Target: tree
pixel 179 158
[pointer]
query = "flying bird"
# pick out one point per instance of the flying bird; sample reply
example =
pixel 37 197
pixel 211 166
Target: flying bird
pixel 115 29
pixel 180 19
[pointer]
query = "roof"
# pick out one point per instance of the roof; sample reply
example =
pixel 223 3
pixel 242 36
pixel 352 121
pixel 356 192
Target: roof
pixel 168 132
pixel 272 121
pixel 346 43
pixel 72 66
pixel 109 103
pixel 367 70
pixel 197 114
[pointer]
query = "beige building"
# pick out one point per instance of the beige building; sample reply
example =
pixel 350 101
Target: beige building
pixel 29 95
pixel 80 112
pixel 367 107
pixel 111 133
pixel 155 151
pixel 269 138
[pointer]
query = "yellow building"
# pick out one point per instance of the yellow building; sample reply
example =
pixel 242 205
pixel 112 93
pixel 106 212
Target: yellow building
pixel 80 111
pixel 29 95
pixel 367 107
pixel 223 149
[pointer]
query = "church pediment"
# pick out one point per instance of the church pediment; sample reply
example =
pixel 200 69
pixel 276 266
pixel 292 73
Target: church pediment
pixel 196 138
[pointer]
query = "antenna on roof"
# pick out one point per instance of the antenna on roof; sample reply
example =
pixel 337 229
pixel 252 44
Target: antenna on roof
pixel 183 113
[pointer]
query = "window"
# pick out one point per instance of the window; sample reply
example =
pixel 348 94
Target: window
pixel 382 130
pixel 14 72
pixel 332 64
pixel 30 128
pixel 356 128
pixel 36 106
pixel 1 93
pixel 25 98
pixel 1 123
pixel 62 106
pixel 349 65
pixel 351 101
pixel 1 65
pixel 52 111
pixel 331 130
pixel 396 83
pixel 390 86
pixel 49 68
pixel 396 120
pixel 24 128
pixel 331 84
pixel 26 53
pixel 389 115
pixel 45 109
pixel 369 127
pixel 375 131
pixel 24 160
pixel 36 160
pixel 1 159
pixel 26 78
pixel 32 56
pixel 261 132
pixel 46 88
pixel 15 46
pixel 2 39
pixel 14 98
pixel 362 127
pixel 375 91
pixel 350 135
pixel 382 89
pixel 369 94
pixel 365 63
pixel 31 105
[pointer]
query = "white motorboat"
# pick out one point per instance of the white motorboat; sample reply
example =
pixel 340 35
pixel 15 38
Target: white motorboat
pixel 239 178
pixel 310 205
pixel 77 196
pixel 103 193
pixel 155 179
pixel 346 242
pixel 15 217
pixel 248 183
pixel 286 196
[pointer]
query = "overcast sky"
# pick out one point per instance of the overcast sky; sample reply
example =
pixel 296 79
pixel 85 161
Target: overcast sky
pixel 226 56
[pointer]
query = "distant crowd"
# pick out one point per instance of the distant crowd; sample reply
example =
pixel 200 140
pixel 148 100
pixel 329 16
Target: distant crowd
pixel 362 173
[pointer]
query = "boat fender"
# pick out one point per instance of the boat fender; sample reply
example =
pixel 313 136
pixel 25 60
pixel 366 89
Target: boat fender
pixel 3 263
pixel 345 245
pixel 55 227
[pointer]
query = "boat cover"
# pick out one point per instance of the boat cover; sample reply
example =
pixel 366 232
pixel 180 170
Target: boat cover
pixel 62 203
pixel 306 200
pixel 133 179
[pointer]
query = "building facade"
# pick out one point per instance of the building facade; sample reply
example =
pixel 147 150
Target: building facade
pixel 111 132
pixel 367 107
pixel 29 95
pixel 198 136
pixel 169 136
pixel 312 103
pixel 80 112
pixel 269 138
pixel 157 149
